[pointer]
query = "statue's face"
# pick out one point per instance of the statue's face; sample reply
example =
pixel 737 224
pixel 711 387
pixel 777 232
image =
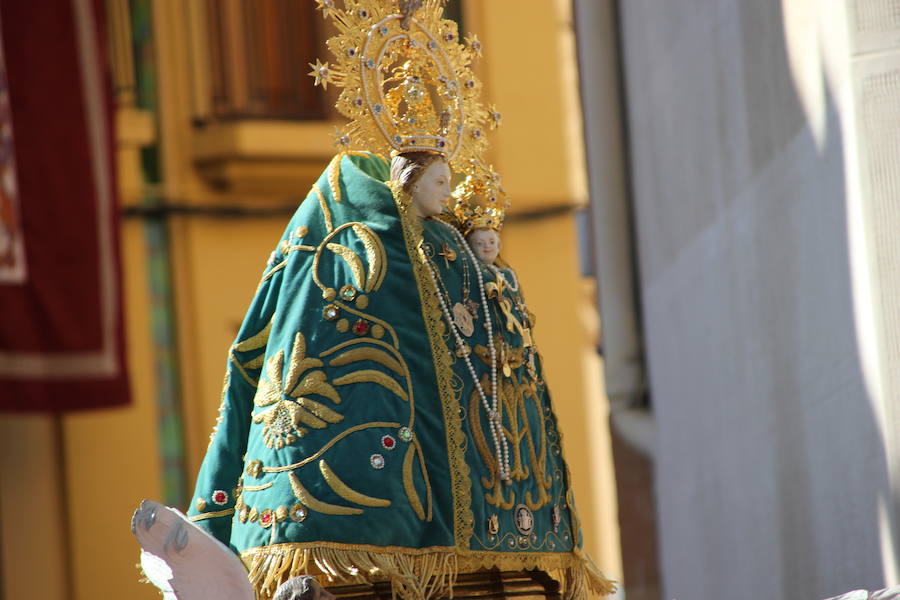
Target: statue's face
pixel 432 189
pixel 485 243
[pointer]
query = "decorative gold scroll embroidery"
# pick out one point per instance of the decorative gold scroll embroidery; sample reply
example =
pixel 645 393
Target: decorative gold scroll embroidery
pixel 334 176
pixel 346 492
pixel 375 255
pixel 371 376
pixel 329 444
pixel 368 353
pixel 317 505
pixel 409 485
pixel 334 171
pixel 258 488
pixel 257 341
pixel 353 261
pixel 212 515
pixel 326 212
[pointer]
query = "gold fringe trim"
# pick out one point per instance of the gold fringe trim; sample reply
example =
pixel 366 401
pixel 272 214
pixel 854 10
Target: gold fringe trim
pixel 414 574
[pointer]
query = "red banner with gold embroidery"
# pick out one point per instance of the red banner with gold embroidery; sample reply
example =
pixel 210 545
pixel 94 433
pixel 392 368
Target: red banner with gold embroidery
pixel 61 337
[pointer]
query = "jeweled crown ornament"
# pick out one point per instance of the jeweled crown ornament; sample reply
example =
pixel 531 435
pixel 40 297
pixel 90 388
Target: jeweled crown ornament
pixel 479 201
pixel 407 81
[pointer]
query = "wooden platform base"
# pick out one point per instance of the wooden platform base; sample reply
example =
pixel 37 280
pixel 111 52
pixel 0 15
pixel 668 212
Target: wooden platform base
pixel 486 585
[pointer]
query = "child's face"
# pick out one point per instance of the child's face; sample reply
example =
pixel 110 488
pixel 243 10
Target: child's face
pixel 485 243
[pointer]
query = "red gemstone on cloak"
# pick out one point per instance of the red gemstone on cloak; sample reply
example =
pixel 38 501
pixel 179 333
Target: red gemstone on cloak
pixel 220 497
pixel 388 442
pixel 360 327
pixel 266 518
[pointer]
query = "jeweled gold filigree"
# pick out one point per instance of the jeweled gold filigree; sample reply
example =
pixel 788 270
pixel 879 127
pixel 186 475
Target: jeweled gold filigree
pixel 407 81
pixel 479 201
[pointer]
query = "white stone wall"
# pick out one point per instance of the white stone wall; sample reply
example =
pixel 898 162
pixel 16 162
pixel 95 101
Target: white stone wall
pixel 767 279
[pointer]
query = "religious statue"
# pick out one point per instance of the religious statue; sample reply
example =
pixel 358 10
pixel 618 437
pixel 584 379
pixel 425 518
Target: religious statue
pixel 384 415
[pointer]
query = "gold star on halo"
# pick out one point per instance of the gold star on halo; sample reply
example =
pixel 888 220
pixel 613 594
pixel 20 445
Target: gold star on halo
pixel 341 139
pixel 496 117
pixel 325 6
pixel 321 72
pixel 474 44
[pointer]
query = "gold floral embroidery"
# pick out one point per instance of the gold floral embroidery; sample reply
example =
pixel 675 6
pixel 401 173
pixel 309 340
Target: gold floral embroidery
pixel 346 492
pixel 290 410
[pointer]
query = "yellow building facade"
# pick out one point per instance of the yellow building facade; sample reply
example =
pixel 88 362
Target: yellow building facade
pixel 224 187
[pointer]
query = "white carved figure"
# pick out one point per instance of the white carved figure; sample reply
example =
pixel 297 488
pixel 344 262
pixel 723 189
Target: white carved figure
pixel 486 244
pixel 424 178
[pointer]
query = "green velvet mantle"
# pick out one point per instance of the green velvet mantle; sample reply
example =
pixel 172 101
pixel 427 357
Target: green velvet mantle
pixel 352 440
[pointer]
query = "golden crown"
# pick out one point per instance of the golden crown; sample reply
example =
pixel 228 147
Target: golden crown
pixel 479 201
pixel 407 80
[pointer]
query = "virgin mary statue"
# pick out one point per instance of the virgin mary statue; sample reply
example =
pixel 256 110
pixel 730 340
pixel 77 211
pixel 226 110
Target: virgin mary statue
pixel 384 415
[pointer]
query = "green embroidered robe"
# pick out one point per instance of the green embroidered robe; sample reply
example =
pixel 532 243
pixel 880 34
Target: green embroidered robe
pixel 352 438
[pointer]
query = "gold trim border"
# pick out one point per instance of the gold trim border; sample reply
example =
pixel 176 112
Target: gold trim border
pixel 460 482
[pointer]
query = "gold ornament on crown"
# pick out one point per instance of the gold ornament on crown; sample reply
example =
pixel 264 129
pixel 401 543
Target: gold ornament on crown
pixel 407 81
pixel 479 201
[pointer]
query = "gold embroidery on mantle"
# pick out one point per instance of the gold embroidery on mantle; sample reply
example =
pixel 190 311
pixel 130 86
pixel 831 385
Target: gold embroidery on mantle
pixel 372 376
pixel 313 503
pixel 291 409
pixel 460 483
pixel 346 492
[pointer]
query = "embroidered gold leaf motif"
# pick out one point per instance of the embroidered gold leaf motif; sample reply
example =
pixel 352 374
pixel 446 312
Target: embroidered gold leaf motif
pixel 320 410
pixel 315 383
pixel 353 261
pixel 370 376
pixel 334 174
pixel 346 492
pixel 317 505
pixel 269 390
pixel 409 485
pixel 280 424
pixel 299 362
pixel 375 256
pixel 255 363
pixel 368 353
pixel 256 341
pixel 289 414
pixel 323 204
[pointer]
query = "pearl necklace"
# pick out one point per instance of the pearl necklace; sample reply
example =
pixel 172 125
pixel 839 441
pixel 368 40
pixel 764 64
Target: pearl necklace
pixel 501 447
